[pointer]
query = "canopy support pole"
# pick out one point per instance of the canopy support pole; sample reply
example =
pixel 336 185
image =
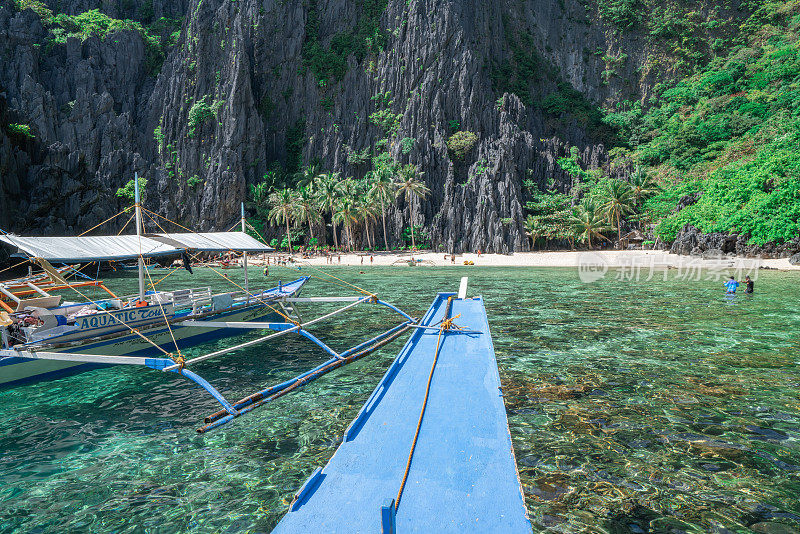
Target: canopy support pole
pixel 244 261
pixel 137 201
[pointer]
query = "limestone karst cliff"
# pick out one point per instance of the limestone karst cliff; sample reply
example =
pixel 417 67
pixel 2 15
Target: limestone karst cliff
pixel 248 84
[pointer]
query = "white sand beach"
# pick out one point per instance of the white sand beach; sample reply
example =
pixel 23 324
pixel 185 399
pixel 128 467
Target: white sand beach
pixel 658 259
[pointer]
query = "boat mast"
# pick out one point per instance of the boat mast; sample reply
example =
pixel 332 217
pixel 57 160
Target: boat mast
pixel 244 260
pixel 138 208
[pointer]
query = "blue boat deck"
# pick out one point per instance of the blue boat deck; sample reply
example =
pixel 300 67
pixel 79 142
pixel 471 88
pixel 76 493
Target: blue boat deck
pixel 463 475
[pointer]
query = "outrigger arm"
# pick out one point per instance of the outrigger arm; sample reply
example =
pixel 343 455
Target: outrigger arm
pixel 233 410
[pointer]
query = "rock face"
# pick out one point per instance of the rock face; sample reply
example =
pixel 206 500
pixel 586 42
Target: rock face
pixel 239 92
pixel 692 241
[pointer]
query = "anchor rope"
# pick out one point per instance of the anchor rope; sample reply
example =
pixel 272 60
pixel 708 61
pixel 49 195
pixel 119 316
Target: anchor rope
pixel 446 324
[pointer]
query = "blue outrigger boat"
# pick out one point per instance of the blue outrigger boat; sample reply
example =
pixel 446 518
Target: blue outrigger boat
pixel 44 337
pixel 422 455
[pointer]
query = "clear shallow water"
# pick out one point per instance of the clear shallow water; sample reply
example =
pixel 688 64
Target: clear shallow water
pixel 633 406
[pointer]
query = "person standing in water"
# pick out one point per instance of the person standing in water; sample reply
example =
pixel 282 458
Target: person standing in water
pixel 749 283
pixel 731 285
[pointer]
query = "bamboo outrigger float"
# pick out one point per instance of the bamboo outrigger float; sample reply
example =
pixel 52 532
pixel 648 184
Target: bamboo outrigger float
pixel 43 338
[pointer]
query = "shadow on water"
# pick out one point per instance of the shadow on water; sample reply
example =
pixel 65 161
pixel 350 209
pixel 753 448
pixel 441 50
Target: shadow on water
pixel 633 407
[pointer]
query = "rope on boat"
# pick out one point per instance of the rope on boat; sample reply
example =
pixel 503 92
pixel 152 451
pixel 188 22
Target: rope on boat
pixel 129 327
pixel 179 360
pixel 309 266
pixel 446 324
pixel 15 265
pixel 258 298
pixel 107 220
pixel 126 224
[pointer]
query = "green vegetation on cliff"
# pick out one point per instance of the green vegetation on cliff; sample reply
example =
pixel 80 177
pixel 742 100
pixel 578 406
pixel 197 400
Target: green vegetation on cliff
pixel 95 23
pixel 722 142
pixel 731 134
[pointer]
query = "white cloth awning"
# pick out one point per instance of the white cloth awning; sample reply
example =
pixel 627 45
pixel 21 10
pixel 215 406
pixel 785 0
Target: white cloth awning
pixel 127 247
pixel 213 241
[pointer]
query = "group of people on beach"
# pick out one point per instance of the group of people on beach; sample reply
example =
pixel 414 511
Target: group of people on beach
pixel 732 285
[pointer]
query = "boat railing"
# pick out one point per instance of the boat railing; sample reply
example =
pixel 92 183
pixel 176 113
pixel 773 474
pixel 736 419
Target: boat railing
pixel 194 298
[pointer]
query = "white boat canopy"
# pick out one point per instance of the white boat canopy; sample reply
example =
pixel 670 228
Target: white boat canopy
pixel 127 247
pixel 212 242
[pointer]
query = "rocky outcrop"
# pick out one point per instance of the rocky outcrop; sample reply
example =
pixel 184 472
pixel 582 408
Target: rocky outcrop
pixel 692 241
pixel 240 93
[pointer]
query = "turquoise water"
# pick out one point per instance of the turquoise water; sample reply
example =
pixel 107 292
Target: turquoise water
pixel 633 407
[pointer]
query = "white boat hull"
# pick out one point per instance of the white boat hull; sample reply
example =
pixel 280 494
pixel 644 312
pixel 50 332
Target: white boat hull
pixel 16 371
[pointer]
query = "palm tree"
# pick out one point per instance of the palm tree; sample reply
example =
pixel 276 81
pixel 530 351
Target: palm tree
pixel 282 206
pixel 534 229
pixel 642 185
pixel 381 190
pixel 308 177
pixel 328 192
pixel 618 202
pixel 366 212
pixel 588 221
pixel 346 214
pixel 409 186
pixel 305 209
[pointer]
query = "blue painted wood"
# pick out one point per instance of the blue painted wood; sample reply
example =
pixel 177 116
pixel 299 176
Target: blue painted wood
pixel 463 476
pixel 388 517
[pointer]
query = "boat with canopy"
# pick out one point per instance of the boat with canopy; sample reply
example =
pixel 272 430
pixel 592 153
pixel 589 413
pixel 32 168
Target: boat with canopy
pixel 45 336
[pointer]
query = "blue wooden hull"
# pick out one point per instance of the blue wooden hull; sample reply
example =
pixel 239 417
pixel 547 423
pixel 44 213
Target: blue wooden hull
pixel 463 475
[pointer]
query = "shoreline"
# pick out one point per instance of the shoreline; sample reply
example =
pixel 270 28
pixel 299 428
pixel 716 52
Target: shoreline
pixel 612 259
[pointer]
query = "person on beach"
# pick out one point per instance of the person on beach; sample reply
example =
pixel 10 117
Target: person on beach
pixel 339 258
pixel 371 259
pixel 362 260
pixel 731 285
pixel 749 283
pixel 453 259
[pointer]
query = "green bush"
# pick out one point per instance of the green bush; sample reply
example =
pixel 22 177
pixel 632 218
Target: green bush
pixel 20 131
pixel 41 9
pixel 194 181
pixel 460 143
pixel 624 14
pixel 201 111
pixel 406 144
pixel 128 192
pixel 98 24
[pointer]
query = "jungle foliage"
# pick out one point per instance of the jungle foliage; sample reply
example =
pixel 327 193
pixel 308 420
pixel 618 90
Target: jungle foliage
pixel 730 132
